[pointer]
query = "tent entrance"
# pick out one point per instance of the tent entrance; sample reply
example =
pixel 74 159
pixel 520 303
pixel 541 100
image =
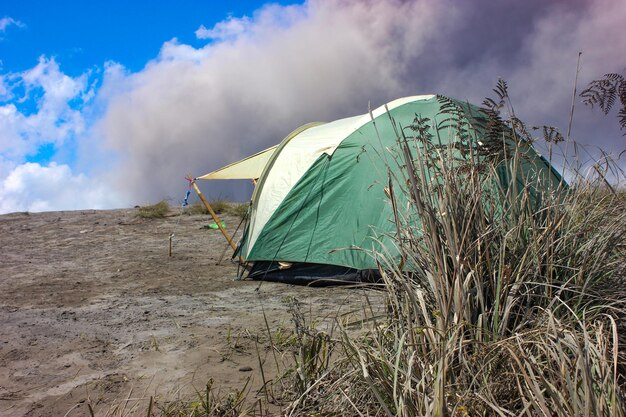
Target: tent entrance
pixel 311 274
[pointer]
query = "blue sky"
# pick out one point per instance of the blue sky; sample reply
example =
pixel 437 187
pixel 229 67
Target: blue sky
pixel 85 34
pixel 111 104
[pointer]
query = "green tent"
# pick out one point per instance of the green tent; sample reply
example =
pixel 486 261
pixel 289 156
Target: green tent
pixel 319 207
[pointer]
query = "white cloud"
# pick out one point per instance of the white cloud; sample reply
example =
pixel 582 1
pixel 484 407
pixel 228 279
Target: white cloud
pixel 33 187
pixel 175 51
pixel 42 106
pixel 6 21
pixel 229 29
pixel 51 119
pixel 271 16
pixel 5 93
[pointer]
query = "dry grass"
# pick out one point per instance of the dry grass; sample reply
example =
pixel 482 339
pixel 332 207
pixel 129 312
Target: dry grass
pixel 219 206
pixel 196 208
pixel 508 298
pixel 154 211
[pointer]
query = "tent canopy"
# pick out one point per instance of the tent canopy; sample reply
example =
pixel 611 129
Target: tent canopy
pixel 248 168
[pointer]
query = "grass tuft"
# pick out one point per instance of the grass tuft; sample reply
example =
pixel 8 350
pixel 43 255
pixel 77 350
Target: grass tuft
pixel 239 209
pixel 219 206
pixel 154 211
pixel 195 209
pixel 508 297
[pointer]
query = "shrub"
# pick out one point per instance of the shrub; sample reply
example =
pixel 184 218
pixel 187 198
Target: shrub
pixel 508 297
pixel 154 211
pixel 196 208
pixel 220 206
pixel 239 209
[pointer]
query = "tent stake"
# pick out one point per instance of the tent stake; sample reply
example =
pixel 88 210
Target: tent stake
pixel 212 213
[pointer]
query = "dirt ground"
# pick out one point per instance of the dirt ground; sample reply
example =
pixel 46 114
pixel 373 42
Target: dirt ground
pixel 94 310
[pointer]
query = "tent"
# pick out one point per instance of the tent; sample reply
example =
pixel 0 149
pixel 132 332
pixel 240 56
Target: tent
pixel 319 206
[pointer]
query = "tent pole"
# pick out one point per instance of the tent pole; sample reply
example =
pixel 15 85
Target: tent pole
pixel 212 213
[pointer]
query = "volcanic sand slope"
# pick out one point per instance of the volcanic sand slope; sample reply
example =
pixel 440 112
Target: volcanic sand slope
pixel 92 306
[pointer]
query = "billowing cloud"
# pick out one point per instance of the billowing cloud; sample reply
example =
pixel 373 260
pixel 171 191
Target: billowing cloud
pixel 33 187
pixel 192 110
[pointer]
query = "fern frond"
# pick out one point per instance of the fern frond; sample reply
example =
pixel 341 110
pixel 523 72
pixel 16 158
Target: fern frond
pixel 492 105
pixel 605 92
pixel 552 135
pixel 502 89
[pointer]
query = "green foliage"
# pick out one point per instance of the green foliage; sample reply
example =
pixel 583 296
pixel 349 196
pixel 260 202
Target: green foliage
pixel 509 297
pixel 605 93
pixel 154 211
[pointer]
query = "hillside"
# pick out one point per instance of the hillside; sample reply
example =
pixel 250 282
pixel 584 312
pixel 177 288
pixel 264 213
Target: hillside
pixel 93 307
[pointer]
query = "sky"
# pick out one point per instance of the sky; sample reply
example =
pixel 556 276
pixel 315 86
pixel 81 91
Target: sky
pixel 104 107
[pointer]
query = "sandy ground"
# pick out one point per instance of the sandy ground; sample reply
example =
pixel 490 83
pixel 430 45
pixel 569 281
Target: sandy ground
pixel 93 308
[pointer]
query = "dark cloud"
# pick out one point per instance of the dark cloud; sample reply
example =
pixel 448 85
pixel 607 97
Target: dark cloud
pixel 194 110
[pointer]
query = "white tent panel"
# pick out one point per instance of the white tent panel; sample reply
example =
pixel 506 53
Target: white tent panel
pixel 298 156
pixel 248 168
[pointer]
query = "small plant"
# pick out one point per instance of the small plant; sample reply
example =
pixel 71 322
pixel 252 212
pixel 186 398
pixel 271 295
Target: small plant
pixel 283 338
pixel 220 206
pixel 239 209
pixel 154 344
pixel 196 208
pixel 154 211
pixel 209 403
pixel 312 351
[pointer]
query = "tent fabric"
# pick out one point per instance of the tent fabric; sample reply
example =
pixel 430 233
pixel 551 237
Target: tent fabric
pixel 321 200
pixel 338 213
pixel 300 154
pixel 248 168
